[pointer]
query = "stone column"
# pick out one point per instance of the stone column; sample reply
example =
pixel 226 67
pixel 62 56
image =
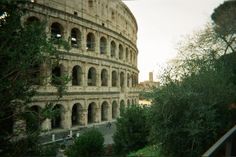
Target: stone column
pixel 66 120
pixel 19 127
pixel 108 47
pixel 98 114
pixel 83 40
pixel 69 72
pixel 85 74
pixel 46 124
pixel 109 77
pixel 99 81
pixel 97 43
pixel 110 110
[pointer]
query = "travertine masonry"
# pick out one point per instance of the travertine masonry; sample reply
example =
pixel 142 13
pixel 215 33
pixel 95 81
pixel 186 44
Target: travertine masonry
pixel 102 63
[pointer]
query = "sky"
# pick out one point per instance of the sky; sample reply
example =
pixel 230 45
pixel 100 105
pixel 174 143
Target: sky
pixel 162 24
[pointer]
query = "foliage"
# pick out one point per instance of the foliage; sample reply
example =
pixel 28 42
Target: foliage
pixel 195 104
pixel 89 144
pixel 23 47
pixel 132 129
pixel 148 151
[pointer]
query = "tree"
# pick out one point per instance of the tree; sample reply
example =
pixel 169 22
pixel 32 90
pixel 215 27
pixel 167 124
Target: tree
pixel 196 103
pixel 24 47
pixel 89 144
pixel 132 130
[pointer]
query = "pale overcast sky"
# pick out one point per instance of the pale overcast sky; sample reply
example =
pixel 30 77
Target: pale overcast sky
pixel 162 24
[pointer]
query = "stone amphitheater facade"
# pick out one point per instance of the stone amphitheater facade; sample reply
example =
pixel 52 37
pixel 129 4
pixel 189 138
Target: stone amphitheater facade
pixel 102 61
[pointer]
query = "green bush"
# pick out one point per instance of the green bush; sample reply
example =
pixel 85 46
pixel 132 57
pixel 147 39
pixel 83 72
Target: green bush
pixel 89 144
pixel 132 130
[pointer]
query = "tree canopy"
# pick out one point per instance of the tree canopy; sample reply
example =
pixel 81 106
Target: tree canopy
pixel 196 103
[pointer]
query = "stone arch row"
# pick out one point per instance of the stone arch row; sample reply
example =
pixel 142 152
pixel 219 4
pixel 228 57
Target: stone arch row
pixel 111 48
pixel 80 115
pixel 106 77
pixel 86 76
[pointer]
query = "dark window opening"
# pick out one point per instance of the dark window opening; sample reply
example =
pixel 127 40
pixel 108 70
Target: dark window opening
pixel 92 77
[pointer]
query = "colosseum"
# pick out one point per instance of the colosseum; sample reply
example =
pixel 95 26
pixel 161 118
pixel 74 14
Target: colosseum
pixel 102 61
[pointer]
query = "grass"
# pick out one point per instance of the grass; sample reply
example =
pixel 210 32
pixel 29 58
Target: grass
pixel 149 151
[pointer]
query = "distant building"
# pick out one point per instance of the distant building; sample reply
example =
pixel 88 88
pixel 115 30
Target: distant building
pixel 145 87
pixel 148 85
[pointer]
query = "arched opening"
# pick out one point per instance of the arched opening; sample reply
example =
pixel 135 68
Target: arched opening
pixel 76 76
pixel 114 109
pixel 127 54
pixel 103 45
pixel 92 77
pixel 114 78
pixel 104 77
pixel 132 101
pixel 122 79
pixel 122 106
pixel 131 57
pixel 56 75
pixel 32 20
pixel 90 3
pixel 92 113
pixel 121 52
pixel 76 116
pixel 113 49
pixel 128 103
pixel 33 119
pixel 104 111
pixel 75 37
pixel 34 74
pixel 90 42
pixel 128 78
pixel 56 121
pixel 56 31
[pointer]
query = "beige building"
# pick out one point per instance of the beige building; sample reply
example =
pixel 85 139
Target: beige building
pixel 102 62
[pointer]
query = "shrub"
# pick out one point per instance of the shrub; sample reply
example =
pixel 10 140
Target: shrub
pixel 89 144
pixel 132 130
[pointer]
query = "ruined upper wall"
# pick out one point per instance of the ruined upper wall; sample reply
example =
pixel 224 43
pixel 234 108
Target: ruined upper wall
pixel 112 14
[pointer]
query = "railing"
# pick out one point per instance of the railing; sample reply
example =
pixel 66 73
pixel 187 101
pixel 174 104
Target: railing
pixel 228 140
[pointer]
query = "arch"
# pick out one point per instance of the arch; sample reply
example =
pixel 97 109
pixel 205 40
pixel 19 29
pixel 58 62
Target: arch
pixel 56 121
pixel 92 113
pixel 128 103
pixel 56 30
pixel 104 111
pixel 32 19
pixel 131 57
pixel 114 79
pixel 76 116
pixel 90 42
pixel 34 74
pixel 76 76
pixel 104 77
pixel 121 52
pixel 92 76
pixel 75 38
pixel 113 49
pixel 33 121
pixel 122 106
pixel 122 79
pixel 127 54
pixel 132 101
pixel 128 78
pixel 57 73
pixel 103 45
pixel 114 109
pixel 90 3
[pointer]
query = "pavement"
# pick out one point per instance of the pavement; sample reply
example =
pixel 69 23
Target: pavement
pixel 63 136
